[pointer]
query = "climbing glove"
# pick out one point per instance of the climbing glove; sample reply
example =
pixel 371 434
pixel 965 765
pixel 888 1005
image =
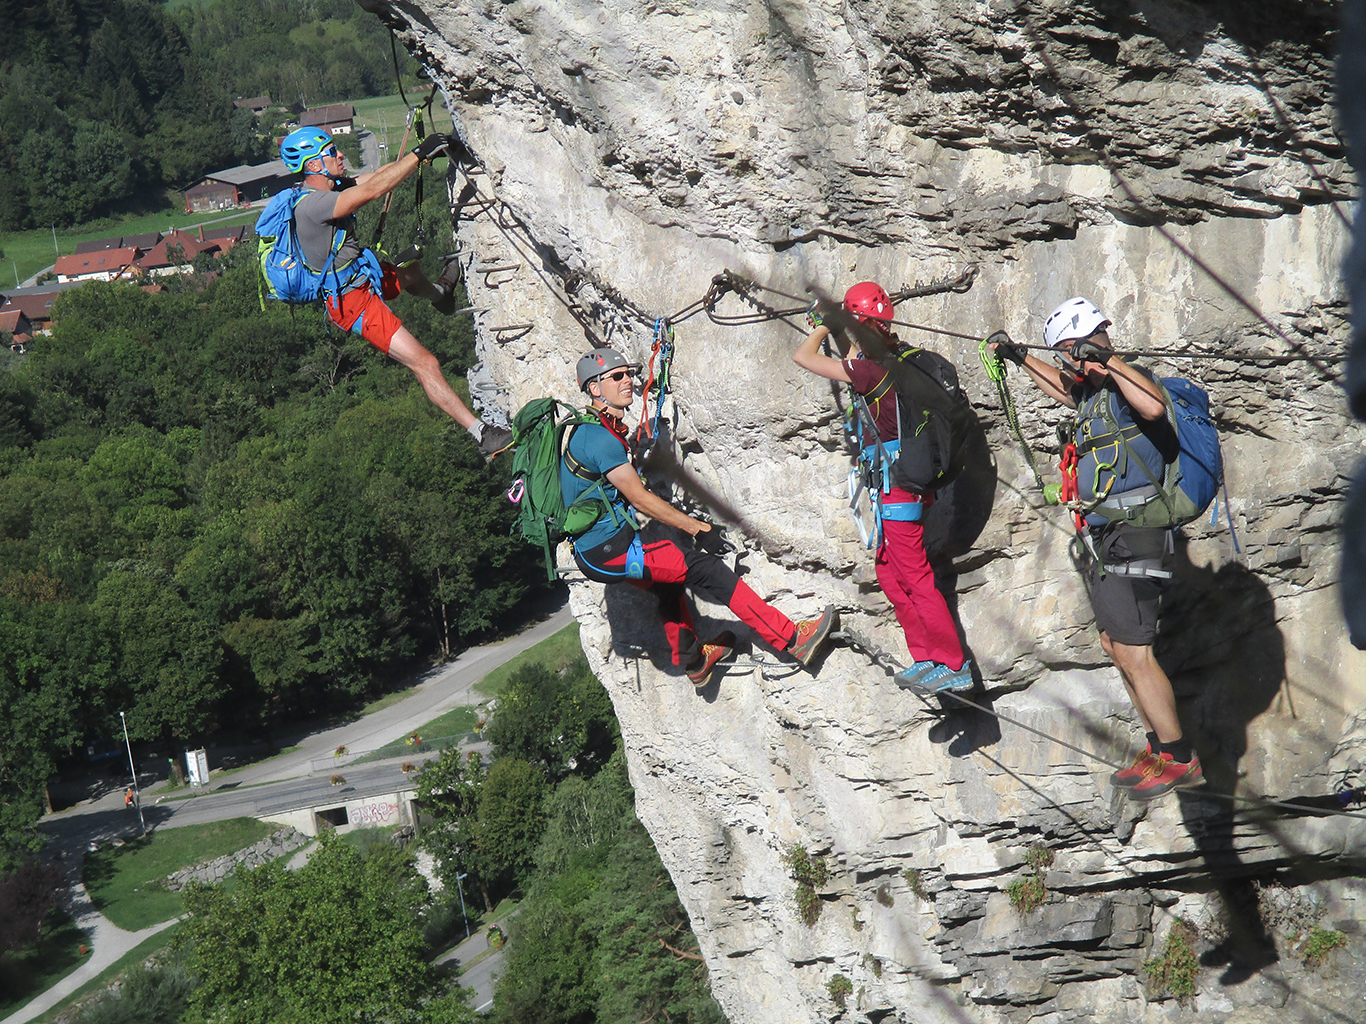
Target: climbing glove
pixel 1007 349
pixel 432 146
pixel 1084 349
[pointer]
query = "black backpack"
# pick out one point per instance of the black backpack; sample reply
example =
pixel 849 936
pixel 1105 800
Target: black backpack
pixel 935 419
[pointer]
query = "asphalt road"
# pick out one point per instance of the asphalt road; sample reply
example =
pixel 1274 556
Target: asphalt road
pixel 277 784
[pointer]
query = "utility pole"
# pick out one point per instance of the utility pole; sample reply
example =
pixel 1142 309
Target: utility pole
pixel 54 240
pixel 458 878
pixel 137 793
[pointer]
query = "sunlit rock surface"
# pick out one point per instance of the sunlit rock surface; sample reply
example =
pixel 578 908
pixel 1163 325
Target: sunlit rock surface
pixel 629 152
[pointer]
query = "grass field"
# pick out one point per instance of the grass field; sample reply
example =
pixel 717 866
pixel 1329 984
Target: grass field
pixel 384 115
pixel 27 252
pixel 110 974
pixel 33 971
pixel 555 651
pixel 118 878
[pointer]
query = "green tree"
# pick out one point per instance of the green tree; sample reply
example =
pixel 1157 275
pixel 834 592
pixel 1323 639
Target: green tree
pixel 563 722
pixel 601 936
pixel 336 942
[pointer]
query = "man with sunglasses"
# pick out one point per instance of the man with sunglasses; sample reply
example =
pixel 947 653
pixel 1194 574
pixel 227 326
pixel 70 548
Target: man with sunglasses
pixel 1126 568
pixel 598 462
pixel 325 219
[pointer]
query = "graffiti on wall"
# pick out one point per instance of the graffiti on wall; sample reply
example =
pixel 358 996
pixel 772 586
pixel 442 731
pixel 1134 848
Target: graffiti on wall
pixel 374 814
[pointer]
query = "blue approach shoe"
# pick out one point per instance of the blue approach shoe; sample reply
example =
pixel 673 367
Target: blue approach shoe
pixel 936 678
pixel 909 677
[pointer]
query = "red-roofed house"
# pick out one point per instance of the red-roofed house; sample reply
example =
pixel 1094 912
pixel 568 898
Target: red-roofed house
pixel 17 324
pixel 335 118
pixel 104 265
pixel 158 263
pixel 35 306
pixel 255 104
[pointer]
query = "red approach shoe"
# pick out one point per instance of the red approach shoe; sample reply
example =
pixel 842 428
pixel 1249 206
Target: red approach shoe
pixel 1144 764
pixel 1167 775
pixel 720 648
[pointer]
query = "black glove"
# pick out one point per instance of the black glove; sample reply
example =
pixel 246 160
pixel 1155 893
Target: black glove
pixel 432 146
pixel 1007 349
pixel 1084 349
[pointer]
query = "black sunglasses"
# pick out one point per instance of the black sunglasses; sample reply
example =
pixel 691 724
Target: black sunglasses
pixel 618 375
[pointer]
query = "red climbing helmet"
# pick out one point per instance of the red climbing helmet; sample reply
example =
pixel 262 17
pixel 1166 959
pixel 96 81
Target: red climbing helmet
pixel 867 301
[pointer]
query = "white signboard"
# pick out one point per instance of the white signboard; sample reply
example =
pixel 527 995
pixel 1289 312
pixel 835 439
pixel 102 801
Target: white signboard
pixel 197 763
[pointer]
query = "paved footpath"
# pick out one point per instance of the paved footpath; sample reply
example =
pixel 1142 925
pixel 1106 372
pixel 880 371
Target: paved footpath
pixel 440 690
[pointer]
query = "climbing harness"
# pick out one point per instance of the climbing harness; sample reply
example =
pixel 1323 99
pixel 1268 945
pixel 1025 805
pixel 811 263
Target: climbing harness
pixel 872 471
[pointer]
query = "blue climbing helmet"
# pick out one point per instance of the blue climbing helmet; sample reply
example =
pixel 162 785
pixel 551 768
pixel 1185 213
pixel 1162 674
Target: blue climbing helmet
pixel 301 146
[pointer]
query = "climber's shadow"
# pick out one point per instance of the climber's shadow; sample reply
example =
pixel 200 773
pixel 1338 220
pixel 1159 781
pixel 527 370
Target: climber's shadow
pixel 1219 643
pixel 965 729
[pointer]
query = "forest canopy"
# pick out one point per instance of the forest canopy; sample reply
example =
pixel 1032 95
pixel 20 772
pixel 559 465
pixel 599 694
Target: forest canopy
pixel 104 104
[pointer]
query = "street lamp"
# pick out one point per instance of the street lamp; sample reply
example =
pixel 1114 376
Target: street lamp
pixel 461 889
pixel 137 793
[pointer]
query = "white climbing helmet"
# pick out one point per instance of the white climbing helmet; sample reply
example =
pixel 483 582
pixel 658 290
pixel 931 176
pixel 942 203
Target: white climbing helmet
pixel 1075 318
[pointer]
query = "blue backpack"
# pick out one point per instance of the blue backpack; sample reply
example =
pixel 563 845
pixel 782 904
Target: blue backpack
pixel 284 271
pixel 1191 481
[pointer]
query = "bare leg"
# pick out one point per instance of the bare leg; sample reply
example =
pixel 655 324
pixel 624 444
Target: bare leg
pixel 1149 688
pixel 408 351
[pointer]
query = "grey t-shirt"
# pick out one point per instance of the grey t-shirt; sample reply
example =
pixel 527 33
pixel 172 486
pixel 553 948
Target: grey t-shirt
pixel 314 223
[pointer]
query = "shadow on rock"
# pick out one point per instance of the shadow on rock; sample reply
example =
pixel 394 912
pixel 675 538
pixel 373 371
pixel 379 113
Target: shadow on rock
pixel 1219 643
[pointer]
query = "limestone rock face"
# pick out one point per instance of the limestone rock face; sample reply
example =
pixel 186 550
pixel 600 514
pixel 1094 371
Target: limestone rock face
pixel 1176 163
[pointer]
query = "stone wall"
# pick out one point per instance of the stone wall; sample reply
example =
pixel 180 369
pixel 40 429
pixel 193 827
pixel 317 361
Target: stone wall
pixel 629 152
pixel 274 846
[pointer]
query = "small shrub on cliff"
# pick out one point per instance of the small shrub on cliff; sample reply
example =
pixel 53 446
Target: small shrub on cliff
pixel 1174 971
pixel 810 874
pixel 912 876
pixel 1039 857
pixel 1027 894
pixel 840 989
pixel 1322 941
pixel 884 895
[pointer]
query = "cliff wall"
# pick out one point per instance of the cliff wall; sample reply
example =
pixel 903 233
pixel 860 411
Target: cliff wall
pixel 628 153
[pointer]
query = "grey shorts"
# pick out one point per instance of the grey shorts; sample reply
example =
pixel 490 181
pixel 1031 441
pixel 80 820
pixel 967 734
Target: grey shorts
pixel 1125 601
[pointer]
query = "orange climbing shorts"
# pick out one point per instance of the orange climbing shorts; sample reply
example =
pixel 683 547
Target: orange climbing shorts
pixel 362 312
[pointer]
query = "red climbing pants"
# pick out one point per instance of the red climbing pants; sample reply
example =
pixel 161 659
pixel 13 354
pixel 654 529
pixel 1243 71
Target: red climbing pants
pixel 668 569
pixel 905 576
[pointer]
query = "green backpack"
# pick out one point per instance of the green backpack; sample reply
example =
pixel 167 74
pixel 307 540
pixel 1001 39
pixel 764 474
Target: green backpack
pixel 540 440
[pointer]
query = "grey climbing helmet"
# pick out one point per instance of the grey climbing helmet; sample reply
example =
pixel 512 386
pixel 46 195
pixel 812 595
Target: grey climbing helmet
pixel 600 361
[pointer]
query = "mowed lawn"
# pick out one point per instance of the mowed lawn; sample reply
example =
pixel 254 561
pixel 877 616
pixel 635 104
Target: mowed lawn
pixel 554 652
pixel 385 116
pixel 120 879
pixel 27 252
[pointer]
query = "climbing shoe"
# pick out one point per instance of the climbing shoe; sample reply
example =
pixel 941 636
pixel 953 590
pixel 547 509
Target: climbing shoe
pixel 493 440
pixel 909 677
pixel 450 277
pixel 722 647
pixel 811 633
pixel 1144 764
pixel 942 679
pixel 1166 775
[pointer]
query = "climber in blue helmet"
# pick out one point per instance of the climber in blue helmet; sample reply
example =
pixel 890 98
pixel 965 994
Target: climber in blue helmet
pixel 359 305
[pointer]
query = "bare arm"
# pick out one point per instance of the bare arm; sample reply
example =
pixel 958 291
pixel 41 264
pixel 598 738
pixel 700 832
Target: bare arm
pixel 1048 379
pixel 1143 394
pixel 373 185
pixel 810 357
pixel 626 480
